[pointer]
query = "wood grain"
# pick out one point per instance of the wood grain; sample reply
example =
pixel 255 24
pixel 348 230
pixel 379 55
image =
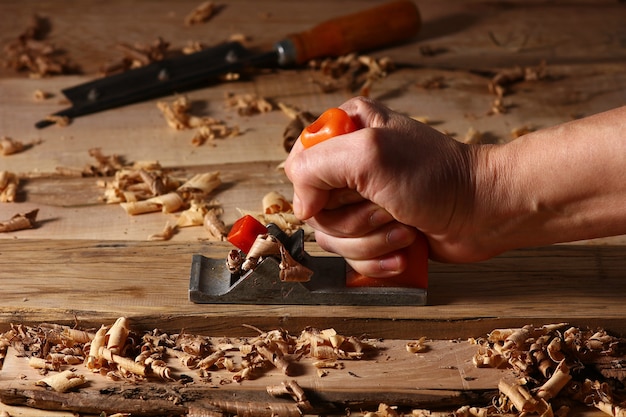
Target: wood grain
pixel 90 281
pixel 89 263
pixel 469 34
pixel 409 380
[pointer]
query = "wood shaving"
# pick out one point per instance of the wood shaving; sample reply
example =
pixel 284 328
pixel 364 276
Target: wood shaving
pixel 166 203
pixel 286 220
pixel 146 187
pixel 61 121
pixel 472 136
pixel 136 56
pixel 177 115
pixel 9 183
pixel 298 121
pixel 248 104
pixel 520 131
pixel 500 83
pixel 192 47
pixel 350 72
pixel 293 390
pixel 104 166
pixel 118 352
pixel 40 95
pixel 214 224
pixel 20 221
pixel 292 270
pixel 436 82
pixel 541 378
pixel 204 214
pixel 497 106
pixel 240 37
pixel 202 13
pixel 63 381
pixel 417 346
pixel 31 52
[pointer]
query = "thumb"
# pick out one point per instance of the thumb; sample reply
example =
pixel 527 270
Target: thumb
pixel 310 192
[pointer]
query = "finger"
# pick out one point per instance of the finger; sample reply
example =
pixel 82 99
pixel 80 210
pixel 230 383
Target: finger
pixel 316 172
pixel 354 220
pixel 342 197
pixel 378 243
pixel 387 266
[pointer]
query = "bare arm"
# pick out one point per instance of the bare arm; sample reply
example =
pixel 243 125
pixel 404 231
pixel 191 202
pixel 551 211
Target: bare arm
pixel 559 184
pixel 366 192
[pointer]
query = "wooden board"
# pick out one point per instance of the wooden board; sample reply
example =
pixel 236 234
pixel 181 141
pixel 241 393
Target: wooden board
pixel 442 376
pixel 88 281
pixel 467 33
pixel 90 263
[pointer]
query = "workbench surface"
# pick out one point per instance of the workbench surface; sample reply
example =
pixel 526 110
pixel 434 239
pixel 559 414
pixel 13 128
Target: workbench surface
pixel 89 262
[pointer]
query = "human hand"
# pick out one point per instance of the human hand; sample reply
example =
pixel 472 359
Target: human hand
pixel 367 193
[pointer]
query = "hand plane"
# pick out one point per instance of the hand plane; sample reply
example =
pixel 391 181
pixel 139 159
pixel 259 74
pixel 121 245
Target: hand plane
pixel 212 282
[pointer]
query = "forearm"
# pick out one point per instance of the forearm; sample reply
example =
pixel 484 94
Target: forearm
pixel 556 185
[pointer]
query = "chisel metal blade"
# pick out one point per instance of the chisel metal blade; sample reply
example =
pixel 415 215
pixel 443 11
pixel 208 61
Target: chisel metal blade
pixel 174 75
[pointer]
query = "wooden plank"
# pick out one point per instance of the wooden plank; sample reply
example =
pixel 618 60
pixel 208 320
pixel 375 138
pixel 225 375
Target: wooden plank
pixel 70 208
pixel 249 161
pixel 442 376
pixel 91 281
pixel 469 34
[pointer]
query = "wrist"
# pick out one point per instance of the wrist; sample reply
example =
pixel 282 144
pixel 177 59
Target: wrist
pixel 560 184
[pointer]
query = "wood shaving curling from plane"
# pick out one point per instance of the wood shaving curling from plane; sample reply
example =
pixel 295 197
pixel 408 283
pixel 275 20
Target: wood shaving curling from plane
pixel 278 210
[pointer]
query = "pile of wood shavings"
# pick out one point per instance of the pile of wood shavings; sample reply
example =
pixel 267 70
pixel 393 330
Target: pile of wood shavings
pixel 554 367
pixel 350 72
pixel 178 116
pixel 118 353
pixel 147 187
pixel 31 52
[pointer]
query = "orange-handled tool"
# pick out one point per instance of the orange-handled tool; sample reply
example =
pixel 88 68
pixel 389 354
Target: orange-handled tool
pixel 334 122
pixel 383 25
pixel 389 23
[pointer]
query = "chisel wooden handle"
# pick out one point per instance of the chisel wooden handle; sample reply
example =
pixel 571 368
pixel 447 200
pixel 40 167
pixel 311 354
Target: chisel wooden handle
pixel 374 28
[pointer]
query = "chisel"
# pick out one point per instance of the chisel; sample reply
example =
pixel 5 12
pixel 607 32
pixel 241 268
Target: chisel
pixel 390 23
